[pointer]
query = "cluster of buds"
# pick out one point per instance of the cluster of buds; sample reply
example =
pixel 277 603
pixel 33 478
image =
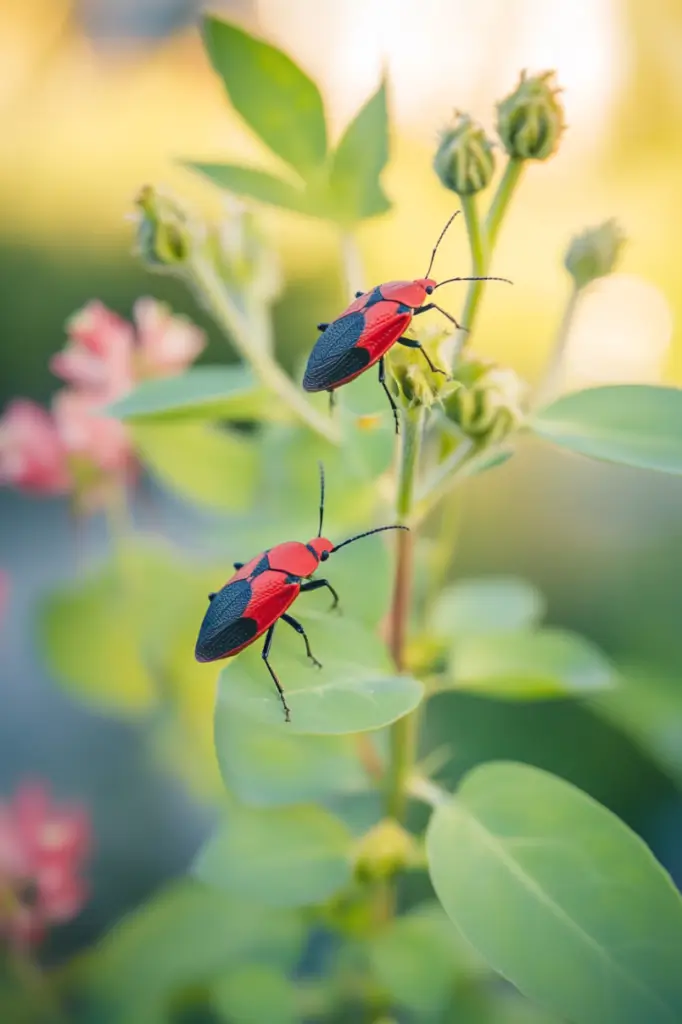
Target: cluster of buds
pixel 76 447
pixel 530 122
pixel 416 383
pixel 487 401
pixel 384 851
pixel 42 851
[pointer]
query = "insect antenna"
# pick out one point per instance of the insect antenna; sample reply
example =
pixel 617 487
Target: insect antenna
pixel 440 239
pixel 319 532
pixel 451 279
pixel 368 533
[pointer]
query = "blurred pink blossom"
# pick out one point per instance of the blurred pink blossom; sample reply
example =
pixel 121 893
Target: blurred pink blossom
pixel 42 850
pixel 32 454
pixel 98 354
pixel 90 436
pixel 166 344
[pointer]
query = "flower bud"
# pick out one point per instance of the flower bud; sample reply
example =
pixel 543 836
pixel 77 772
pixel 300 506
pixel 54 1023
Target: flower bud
pixel 464 160
pixel 487 404
pixel 242 254
pixel 531 119
pixel 383 851
pixel 165 235
pixel 416 383
pixel 594 253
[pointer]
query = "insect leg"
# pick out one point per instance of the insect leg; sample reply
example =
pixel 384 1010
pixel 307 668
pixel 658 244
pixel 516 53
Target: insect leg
pixel 332 401
pixel 382 381
pixel 322 327
pixel 266 650
pixel 432 305
pixel 295 624
pixel 358 294
pixel 316 585
pixel 238 565
pixel 413 343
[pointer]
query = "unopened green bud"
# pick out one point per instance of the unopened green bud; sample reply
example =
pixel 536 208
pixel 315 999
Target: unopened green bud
pixel 530 121
pixel 417 384
pixel 487 405
pixel 464 160
pixel 594 253
pixel 243 255
pixel 165 235
pixel 383 851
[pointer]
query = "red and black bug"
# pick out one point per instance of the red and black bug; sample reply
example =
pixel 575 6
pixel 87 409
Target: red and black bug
pixel 362 335
pixel 260 592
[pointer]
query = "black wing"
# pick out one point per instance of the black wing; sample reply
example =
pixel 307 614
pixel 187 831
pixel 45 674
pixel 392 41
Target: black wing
pixel 335 356
pixel 223 629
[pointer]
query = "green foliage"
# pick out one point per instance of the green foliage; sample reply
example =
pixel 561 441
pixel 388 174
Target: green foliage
pixel 201 393
pixel 529 665
pixel 559 896
pixel 633 424
pixel 281 857
pixel 253 994
pixel 495 604
pixel 283 106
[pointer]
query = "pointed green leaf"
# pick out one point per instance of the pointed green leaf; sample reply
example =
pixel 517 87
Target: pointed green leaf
pixel 282 857
pixel 199 462
pixel 633 424
pixel 559 896
pixel 529 665
pixel 355 691
pixel 259 185
pixel 273 95
pixel 359 160
pixel 266 766
pixel 493 604
pixel 201 393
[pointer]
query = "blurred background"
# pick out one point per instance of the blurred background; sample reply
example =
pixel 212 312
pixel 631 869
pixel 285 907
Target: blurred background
pixel 98 97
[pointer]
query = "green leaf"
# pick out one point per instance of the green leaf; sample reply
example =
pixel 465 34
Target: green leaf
pixel 529 665
pixel 359 160
pixel 275 98
pixel 199 462
pixel 201 393
pixel 559 896
pixel 419 958
pixel 254 994
pixel 494 604
pixel 266 188
pixel 283 857
pixel 633 424
pixel 266 766
pixel 90 639
pixel 185 935
pixel 355 690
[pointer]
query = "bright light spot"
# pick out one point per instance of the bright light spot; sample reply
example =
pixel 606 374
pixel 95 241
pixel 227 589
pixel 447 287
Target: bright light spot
pixel 620 333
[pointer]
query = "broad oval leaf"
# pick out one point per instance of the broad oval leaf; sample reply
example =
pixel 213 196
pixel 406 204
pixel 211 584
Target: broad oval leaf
pixel 529 665
pixel 273 95
pixel 183 936
pixel 494 604
pixel 266 188
pixel 266 766
pixel 201 393
pixel 634 424
pixel 355 690
pixel 281 857
pixel 199 462
pixel 559 896
pixel 358 162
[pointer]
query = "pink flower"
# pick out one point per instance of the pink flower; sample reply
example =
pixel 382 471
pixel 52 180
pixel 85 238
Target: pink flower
pixel 166 344
pixel 90 436
pixel 98 355
pixel 42 849
pixel 32 455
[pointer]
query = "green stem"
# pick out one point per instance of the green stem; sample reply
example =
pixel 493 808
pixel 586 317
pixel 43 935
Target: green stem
pixel 254 350
pixel 482 240
pixel 403 732
pixel 549 383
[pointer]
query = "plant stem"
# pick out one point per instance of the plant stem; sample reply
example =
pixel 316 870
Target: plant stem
pixel 352 263
pixel 549 383
pixel 254 350
pixel 403 732
pixel 482 239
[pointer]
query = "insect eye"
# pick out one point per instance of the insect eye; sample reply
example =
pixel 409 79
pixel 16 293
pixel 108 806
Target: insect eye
pixel 429 289
pixel 324 556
